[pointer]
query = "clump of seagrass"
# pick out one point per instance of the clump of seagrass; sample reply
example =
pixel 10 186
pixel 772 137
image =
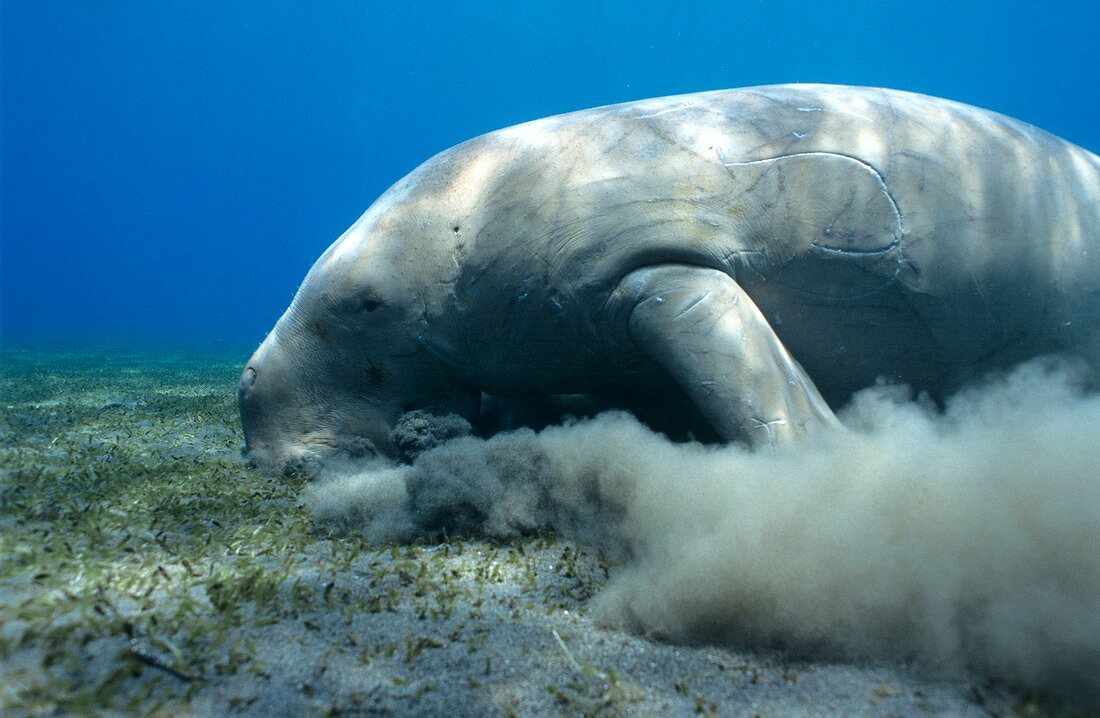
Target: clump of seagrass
pixel 421 430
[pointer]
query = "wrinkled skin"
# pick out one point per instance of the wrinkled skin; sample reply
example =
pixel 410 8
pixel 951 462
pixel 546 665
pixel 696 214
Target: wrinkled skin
pixel 736 260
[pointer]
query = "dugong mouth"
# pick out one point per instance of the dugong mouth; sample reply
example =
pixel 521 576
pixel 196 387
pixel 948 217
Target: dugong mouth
pixel 414 433
pixel 305 454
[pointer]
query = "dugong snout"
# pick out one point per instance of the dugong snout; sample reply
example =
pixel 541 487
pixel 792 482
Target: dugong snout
pixel 273 416
pixel 251 405
pixel 287 416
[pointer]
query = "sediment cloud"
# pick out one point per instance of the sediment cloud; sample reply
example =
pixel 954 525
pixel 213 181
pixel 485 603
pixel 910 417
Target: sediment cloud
pixel 966 538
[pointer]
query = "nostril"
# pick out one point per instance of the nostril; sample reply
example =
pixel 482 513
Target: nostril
pixel 248 378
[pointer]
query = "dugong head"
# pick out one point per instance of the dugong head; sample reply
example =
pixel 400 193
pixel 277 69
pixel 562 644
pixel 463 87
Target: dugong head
pixel 360 343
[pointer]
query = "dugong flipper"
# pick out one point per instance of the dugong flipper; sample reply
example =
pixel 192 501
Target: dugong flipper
pixel 708 334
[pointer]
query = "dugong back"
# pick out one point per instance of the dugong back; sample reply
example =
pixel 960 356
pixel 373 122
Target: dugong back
pixel 880 232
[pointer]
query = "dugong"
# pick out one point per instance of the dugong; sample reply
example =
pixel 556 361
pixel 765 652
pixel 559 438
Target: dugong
pixel 744 258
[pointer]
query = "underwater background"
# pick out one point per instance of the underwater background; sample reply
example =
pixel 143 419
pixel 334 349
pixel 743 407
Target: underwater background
pixel 170 170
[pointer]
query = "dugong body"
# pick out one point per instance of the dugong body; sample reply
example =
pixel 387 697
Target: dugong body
pixel 751 256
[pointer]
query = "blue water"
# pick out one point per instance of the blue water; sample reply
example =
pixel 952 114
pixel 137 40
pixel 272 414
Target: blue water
pixel 170 170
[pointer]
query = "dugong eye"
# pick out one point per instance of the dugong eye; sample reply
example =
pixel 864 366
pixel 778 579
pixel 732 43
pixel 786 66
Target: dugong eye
pixel 368 303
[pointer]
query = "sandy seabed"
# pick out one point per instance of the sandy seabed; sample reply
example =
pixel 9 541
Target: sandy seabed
pixel 146 568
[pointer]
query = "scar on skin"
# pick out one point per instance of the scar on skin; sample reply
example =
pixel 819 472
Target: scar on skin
pixel 691 306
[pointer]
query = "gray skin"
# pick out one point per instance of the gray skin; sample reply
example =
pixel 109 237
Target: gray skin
pixel 745 257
